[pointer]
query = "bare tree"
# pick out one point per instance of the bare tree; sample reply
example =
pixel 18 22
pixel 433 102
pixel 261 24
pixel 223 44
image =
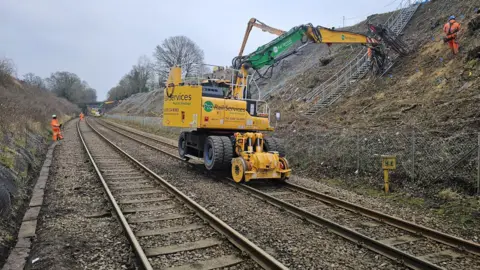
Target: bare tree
pixel 34 80
pixel 68 85
pixel 7 70
pixel 181 51
pixel 141 74
pixel 138 80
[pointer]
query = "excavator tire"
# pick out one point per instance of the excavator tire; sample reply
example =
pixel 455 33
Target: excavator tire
pixel 273 144
pixel 227 152
pixel 213 153
pixel 280 147
pixel 182 144
pixel 218 153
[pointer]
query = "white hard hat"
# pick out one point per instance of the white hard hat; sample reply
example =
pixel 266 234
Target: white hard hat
pixel 54 115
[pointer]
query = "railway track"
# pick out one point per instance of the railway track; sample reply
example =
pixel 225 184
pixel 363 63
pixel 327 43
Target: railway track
pixel 412 245
pixel 166 229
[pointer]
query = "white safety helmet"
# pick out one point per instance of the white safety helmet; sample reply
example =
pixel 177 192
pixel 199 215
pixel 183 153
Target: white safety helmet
pixel 53 116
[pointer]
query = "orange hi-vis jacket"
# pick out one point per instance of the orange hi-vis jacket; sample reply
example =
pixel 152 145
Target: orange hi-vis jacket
pixel 451 29
pixel 54 123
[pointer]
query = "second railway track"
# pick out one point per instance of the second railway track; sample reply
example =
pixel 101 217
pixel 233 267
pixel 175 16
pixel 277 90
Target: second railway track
pixel 407 243
pixel 167 229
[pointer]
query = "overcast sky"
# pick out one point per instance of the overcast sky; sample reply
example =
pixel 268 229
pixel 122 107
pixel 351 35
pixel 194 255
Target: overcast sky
pixel 100 40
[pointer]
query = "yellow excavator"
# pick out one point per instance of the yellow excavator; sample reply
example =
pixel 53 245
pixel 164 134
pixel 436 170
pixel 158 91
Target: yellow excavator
pixel 228 126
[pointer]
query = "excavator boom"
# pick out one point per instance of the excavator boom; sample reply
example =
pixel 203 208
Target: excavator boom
pixel 269 53
pixel 277 49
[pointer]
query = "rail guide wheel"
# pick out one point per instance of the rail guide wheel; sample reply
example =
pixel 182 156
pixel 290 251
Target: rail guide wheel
pixel 284 166
pixel 239 167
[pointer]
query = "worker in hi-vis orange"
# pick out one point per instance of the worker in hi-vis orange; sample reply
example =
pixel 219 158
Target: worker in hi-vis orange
pixel 81 116
pixel 451 29
pixel 56 128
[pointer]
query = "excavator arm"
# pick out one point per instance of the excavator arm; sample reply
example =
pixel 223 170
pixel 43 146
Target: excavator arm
pixel 276 50
pixel 256 23
pixel 269 53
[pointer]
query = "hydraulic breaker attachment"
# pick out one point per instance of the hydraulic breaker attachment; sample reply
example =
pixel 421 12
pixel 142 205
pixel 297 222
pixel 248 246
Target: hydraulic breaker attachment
pixel 253 162
pixel 395 43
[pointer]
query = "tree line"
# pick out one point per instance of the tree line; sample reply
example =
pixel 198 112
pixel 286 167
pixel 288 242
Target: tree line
pixel 148 74
pixel 64 84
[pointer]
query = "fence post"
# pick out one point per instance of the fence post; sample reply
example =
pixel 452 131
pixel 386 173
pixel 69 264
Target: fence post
pixel 478 166
pixel 413 155
pixel 358 154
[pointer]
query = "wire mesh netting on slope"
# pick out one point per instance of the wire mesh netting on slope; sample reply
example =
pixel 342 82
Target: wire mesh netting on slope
pixel 7 188
pixel 425 160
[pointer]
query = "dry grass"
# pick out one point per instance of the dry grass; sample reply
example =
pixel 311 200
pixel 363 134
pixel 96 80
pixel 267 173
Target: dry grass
pixel 448 194
pixel 24 107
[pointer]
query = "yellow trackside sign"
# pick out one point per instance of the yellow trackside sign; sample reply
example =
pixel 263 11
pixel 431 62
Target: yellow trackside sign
pixel 389 162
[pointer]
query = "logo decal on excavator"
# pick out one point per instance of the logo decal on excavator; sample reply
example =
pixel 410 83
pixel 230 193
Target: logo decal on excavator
pixel 208 106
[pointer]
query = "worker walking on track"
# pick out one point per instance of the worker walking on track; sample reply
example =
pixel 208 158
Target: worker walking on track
pixel 81 116
pixel 56 128
pixel 451 29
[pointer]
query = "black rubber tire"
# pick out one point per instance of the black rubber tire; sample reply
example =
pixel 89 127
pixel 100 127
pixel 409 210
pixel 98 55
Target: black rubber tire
pixel 280 147
pixel 182 144
pixel 269 144
pixel 215 162
pixel 227 152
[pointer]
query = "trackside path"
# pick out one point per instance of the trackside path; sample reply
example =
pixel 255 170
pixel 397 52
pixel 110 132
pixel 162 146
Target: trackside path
pixel 75 227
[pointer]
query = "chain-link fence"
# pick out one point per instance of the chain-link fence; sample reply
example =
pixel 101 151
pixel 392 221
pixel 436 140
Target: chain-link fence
pixel 424 159
pixel 152 123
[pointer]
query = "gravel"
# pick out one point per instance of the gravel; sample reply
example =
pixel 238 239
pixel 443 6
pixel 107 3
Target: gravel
pixel 297 244
pixel 66 238
pixel 423 217
pixel 369 227
pixel 103 151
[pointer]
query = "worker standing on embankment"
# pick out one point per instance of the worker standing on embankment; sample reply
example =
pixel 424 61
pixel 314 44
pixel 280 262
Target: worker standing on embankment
pixel 451 29
pixel 56 128
pixel 81 116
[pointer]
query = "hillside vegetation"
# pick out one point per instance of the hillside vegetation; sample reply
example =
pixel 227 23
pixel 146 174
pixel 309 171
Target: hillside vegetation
pixel 425 111
pixel 24 136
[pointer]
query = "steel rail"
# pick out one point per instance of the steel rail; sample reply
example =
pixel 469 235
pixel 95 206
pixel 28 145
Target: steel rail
pixel 344 232
pixel 450 240
pixel 151 137
pixel 130 235
pixel 355 237
pixel 257 254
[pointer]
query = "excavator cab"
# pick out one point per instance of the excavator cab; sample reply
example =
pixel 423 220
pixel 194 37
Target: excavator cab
pixel 215 87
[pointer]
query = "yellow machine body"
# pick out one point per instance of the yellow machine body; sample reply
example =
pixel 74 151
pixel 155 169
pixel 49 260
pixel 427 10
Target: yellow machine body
pixel 185 107
pixel 225 127
pixel 254 163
